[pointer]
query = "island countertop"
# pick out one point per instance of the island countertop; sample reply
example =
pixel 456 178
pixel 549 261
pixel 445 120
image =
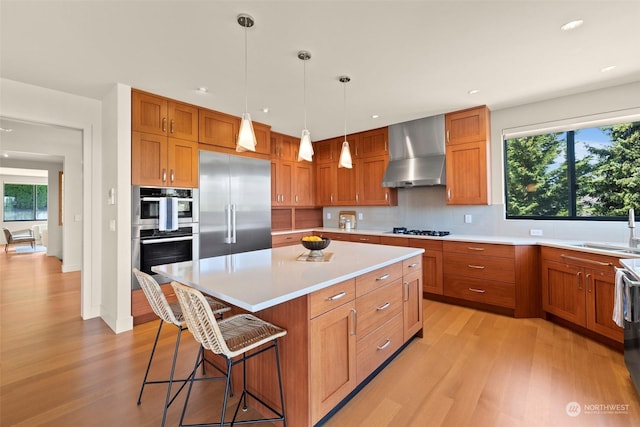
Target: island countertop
pixel 261 279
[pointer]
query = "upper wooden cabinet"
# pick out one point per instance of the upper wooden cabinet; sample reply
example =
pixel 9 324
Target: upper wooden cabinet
pixel 361 185
pixel 467 156
pixel 161 116
pixel 221 130
pixel 292 182
pixel 283 147
pixel 163 162
pixel 468 125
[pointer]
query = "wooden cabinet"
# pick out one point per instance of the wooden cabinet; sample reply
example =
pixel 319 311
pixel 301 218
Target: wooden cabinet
pixel 467 156
pixel 412 296
pixel 332 352
pixel 579 287
pixel 364 238
pixel 160 161
pixel 164 148
pixel 161 116
pixel 431 264
pixel 292 182
pixel 221 130
pixel 288 239
pixel 360 185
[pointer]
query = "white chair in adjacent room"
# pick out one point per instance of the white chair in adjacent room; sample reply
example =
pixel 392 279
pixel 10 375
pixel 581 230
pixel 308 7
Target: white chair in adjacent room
pixel 230 337
pixel 15 239
pixel 169 313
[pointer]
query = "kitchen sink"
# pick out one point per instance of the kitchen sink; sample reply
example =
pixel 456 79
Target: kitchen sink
pixel 607 247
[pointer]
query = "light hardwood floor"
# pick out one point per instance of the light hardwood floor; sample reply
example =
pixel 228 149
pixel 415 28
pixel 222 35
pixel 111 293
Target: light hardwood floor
pixel 471 368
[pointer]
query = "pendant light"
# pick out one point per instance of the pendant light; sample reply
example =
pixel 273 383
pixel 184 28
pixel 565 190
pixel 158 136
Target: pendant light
pixel 345 153
pixel 246 136
pixel 305 151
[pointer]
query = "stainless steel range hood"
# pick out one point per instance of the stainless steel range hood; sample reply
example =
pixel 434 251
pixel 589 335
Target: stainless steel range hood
pixel 416 153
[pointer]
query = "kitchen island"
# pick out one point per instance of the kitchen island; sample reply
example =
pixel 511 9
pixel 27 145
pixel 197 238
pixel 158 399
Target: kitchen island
pixel 344 318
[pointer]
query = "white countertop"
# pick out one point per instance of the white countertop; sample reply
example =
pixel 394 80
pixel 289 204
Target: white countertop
pixel 262 279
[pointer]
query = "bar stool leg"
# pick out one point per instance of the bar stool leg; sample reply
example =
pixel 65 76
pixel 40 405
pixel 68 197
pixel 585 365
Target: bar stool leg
pixel 146 374
pixel 284 418
pixel 169 400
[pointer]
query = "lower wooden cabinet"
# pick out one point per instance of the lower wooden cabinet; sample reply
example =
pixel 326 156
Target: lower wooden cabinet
pixel 412 297
pixel 579 287
pixel 431 264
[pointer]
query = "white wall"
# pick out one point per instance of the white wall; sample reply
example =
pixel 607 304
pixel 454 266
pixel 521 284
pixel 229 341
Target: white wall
pixel 425 208
pixel 81 222
pixel 54 243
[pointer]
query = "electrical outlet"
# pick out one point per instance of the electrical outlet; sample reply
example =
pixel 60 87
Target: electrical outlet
pixel 360 216
pixel 535 232
pixel 328 215
pixel 468 219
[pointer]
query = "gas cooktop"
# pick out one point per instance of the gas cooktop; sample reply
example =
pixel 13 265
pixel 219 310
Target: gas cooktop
pixel 403 230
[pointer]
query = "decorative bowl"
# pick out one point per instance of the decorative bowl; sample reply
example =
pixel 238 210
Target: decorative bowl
pixel 316 247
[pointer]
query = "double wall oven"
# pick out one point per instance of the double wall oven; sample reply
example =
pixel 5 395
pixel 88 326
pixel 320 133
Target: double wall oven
pixel 164 228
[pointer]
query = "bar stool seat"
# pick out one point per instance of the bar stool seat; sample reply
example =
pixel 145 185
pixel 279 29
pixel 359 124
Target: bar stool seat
pixel 230 337
pixel 169 313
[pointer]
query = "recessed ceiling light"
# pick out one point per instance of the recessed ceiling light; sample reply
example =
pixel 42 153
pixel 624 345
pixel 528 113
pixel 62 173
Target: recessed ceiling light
pixel 6 130
pixel 203 89
pixel 572 25
pixel 609 68
pixel 473 91
pixel 374 116
pixel 6 155
pixel 265 110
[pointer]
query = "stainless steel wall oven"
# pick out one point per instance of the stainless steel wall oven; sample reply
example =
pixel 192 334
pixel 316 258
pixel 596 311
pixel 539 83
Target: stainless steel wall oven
pixel 164 228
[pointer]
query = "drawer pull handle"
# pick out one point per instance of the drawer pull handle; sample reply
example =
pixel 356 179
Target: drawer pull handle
pixel 590 261
pixel 478 291
pixel 337 296
pixel 383 277
pixel 472 248
pixel 412 265
pixel 384 306
pixel 385 345
pixel 479 267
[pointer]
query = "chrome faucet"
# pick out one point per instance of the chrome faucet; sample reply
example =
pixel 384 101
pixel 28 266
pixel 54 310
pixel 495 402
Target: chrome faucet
pixel 634 241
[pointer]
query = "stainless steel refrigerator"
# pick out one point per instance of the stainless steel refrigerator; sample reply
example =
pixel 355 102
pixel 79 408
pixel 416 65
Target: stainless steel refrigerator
pixel 235 204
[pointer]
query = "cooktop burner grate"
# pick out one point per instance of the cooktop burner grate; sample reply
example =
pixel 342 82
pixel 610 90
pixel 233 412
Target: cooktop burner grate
pixel 436 233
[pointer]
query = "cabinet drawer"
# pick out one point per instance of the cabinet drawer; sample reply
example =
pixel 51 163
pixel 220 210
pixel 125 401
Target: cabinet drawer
pixel 412 264
pixel 479 248
pixel 377 307
pixel 377 278
pixel 336 236
pixel 378 346
pixel 394 241
pixel 479 267
pixel 286 239
pixel 484 291
pixel 328 298
pixel 428 245
pixel 363 238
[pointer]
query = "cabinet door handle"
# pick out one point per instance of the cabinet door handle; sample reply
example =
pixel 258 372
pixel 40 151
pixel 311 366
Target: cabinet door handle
pixel 296 198
pixel 588 280
pixel 164 175
pixel 479 267
pixel 405 291
pixel 173 175
pixel 171 126
pixel 355 321
pixel 337 296
pixel 332 198
pixel 447 136
pixel 478 291
pixel 164 124
pixel 385 345
pixel 473 248
pixel 383 277
pixel 383 306
pixel 412 265
pixel 448 194
pixel 579 279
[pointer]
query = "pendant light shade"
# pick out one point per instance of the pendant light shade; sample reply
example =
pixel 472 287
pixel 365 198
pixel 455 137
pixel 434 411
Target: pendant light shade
pixel 345 152
pixel 305 151
pixel 246 136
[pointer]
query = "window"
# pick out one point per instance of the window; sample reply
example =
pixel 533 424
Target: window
pixel 585 173
pixel 25 202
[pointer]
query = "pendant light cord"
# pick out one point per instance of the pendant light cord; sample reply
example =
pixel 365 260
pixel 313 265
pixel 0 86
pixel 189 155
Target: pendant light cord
pixel 304 90
pixel 246 79
pixel 344 85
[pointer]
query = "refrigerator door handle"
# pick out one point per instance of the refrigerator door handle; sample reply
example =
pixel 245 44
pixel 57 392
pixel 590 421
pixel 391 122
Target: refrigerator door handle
pixel 233 223
pixel 227 237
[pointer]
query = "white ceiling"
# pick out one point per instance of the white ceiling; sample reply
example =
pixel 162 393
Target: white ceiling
pixel 407 59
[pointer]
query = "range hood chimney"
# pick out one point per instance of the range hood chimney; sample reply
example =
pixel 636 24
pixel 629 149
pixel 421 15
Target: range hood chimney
pixel 416 154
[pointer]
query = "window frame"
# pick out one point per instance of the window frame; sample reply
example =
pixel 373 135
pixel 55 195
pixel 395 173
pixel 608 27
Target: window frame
pixel 35 205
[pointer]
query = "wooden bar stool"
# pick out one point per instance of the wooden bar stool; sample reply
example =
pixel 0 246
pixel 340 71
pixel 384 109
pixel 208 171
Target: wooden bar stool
pixel 230 337
pixel 169 313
